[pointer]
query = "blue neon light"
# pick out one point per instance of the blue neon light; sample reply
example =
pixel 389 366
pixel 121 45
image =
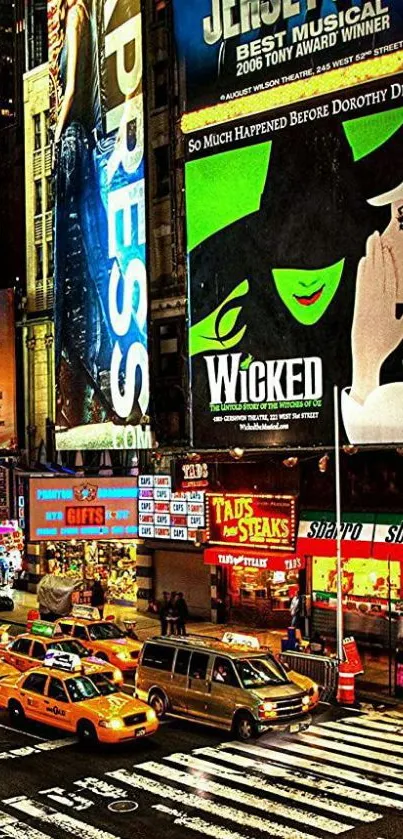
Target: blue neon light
pixel 117 530
pixel 54 494
pixel 53 515
pixel 94 531
pixel 132 528
pixel 46 531
pixel 69 531
pixel 118 492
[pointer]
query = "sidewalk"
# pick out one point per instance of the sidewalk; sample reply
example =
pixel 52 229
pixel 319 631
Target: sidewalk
pixel 372 684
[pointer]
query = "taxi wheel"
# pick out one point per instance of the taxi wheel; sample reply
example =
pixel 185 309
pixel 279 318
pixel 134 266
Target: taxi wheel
pixel 158 704
pixel 16 711
pixel 86 732
pixel 244 726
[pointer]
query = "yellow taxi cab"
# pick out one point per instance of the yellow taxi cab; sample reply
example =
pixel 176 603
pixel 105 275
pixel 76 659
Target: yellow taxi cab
pixel 60 694
pixel 102 638
pixel 7 669
pixel 29 650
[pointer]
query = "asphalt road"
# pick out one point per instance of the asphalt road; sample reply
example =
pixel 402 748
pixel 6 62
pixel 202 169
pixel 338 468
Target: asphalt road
pixel 344 775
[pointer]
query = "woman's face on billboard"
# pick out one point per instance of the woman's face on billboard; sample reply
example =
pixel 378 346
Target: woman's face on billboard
pixel 308 293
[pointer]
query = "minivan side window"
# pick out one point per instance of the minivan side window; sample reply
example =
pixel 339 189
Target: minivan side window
pixel 182 662
pixel 198 666
pixel 223 672
pixel 158 656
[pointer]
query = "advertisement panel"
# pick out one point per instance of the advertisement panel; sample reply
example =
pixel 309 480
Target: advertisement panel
pixel 82 508
pixel 164 514
pixel 247 520
pixel 101 300
pixel 8 419
pixel 265 561
pixel 245 56
pixel 295 263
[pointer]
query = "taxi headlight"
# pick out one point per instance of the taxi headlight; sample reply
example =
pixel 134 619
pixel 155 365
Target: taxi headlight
pixel 305 700
pixel 123 655
pixel 114 724
pixel 268 706
pixel 117 675
pixel 151 715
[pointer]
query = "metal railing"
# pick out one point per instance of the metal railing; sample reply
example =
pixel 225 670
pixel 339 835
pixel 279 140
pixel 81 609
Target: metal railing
pixel 321 669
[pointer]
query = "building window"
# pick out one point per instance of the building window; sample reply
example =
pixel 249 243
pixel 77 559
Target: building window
pixel 168 349
pixel 49 193
pixel 37 131
pixel 161 84
pixel 49 253
pixel 38 198
pixel 39 262
pixel 161 157
pixel 47 129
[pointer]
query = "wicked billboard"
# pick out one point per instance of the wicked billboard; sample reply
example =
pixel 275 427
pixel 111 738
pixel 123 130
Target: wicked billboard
pixel 101 299
pixel 295 256
pixel 233 50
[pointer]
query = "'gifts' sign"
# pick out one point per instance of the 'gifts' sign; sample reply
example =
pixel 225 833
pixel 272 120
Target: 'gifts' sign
pixel 250 520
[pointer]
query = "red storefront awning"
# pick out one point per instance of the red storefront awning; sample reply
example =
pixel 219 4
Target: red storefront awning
pixel 249 558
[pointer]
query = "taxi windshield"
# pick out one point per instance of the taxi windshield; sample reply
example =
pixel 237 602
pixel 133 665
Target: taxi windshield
pixel 105 687
pixel 260 672
pixel 104 632
pixel 81 688
pixel 70 647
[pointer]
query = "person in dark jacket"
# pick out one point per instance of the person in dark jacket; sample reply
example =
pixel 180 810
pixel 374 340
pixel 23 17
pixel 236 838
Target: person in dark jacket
pixel 183 613
pixel 98 597
pixel 163 613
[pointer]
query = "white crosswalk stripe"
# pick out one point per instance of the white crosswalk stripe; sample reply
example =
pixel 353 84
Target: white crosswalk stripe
pixel 327 781
pixel 207 805
pixel 349 735
pixel 198 782
pixel 12 828
pixel 289 793
pixel 50 815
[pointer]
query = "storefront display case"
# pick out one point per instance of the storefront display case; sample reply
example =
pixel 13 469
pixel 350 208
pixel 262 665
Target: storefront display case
pixel 114 563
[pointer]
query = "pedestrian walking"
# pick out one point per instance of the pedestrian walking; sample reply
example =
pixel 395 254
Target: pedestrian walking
pixel 183 613
pixel 163 613
pixel 173 615
pixel 296 609
pixel 98 597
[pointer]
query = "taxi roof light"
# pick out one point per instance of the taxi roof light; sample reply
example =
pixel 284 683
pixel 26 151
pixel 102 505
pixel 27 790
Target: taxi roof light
pixel 69 662
pixel 45 629
pixel 235 639
pixel 88 613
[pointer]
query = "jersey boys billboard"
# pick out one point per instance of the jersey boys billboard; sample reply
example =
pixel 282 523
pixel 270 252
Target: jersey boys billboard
pixel 99 230
pixel 232 49
pixel 295 258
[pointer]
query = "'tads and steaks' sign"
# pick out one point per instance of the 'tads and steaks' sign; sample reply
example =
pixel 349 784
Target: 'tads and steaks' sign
pixel 250 520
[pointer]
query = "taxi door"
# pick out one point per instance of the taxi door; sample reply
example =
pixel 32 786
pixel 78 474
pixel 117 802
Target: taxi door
pixel 58 708
pixel 18 654
pixel 198 686
pixel 32 696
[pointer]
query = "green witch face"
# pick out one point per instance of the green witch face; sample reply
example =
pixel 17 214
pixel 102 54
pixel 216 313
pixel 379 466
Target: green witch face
pixel 307 294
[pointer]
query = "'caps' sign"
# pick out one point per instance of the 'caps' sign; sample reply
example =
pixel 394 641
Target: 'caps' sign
pixel 267 521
